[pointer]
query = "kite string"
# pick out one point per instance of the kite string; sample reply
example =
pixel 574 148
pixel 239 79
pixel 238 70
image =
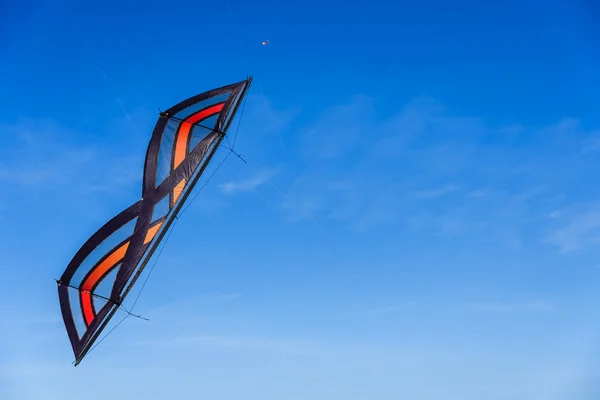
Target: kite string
pixel 239 121
pixel 155 262
pixel 128 313
pixel 109 332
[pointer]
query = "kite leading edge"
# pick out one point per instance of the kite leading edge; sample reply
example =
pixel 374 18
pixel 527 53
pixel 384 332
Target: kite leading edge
pixel 103 271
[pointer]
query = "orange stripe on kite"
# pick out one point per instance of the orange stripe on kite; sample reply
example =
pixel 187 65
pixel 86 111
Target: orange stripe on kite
pixel 184 131
pixel 97 274
pixel 205 113
pixel 88 313
pixel 150 233
pixel 177 191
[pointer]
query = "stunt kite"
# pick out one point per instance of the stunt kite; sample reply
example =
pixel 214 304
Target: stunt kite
pixel 104 270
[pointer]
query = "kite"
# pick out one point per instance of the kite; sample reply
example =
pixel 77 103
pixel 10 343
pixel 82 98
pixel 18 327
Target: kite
pixel 104 270
pixel 266 42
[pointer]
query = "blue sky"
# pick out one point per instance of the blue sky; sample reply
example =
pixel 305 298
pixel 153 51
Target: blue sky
pixel 419 216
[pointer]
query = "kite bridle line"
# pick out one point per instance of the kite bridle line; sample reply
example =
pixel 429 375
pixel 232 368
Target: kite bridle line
pixel 121 306
pixel 149 253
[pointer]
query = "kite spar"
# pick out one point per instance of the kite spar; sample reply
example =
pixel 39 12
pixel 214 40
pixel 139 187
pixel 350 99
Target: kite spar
pixel 104 270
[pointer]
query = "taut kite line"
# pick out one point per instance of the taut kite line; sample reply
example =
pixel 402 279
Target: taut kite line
pixel 106 267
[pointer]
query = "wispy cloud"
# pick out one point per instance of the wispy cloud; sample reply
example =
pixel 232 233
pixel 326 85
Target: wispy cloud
pixel 233 342
pixel 43 153
pixel 260 112
pixel 502 179
pixel 262 129
pixel 434 193
pixel 249 184
pixel 188 306
pixel 36 154
pixel 378 311
pixel 339 130
pixel 457 306
pixel 578 228
pixel 370 180
pixel 513 307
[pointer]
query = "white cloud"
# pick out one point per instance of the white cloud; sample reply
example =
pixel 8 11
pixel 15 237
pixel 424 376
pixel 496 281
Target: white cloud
pixel 204 301
pixel 44 154
pixel 363 169
pixel 339 130
pixel 369 171
pixel 261 112
pixel 514 307
pixel 578 228
pixel 232 342
pixel 37 154
pixel 247 185
pixel 262 128
pixel 434 193
pixel 378 311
